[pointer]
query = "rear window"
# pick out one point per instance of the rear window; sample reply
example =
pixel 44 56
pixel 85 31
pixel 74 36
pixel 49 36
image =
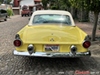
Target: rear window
pixel 51 18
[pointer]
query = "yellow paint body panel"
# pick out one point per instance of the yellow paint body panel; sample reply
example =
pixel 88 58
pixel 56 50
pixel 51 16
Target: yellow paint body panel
pixel 41 35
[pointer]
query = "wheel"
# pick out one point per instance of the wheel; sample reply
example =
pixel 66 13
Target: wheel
pixel 5 19
pixel 22 15
pixel 27 14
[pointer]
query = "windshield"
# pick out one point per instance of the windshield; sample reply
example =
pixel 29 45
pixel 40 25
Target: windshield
pixel 51 18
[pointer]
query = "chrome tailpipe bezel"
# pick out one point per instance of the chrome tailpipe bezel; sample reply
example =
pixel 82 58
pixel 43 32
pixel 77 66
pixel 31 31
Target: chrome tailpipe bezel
pixel 31 49
pixel 73 50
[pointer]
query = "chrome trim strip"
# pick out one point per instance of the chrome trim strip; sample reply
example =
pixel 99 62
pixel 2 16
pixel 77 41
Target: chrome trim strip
pixel 45 54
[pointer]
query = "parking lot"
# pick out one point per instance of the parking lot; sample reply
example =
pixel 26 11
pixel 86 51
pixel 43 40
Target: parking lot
pixel 17 65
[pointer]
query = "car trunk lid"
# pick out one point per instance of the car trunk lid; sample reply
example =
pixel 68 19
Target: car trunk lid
pixel 48 34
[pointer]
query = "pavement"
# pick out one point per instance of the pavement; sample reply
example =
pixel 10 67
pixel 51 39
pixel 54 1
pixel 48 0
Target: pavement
pixel 87 27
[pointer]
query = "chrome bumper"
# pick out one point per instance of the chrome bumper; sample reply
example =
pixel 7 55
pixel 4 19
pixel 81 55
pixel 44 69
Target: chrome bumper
pixel 45 54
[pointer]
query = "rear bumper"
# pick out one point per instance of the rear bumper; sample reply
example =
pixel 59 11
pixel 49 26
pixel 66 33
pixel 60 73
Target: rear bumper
pixel 44 54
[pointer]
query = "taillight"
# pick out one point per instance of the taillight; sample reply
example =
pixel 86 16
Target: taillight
pixel 86 44
pixel 17 42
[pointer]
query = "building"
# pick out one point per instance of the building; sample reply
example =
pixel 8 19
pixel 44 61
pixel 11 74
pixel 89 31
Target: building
pixel 32 4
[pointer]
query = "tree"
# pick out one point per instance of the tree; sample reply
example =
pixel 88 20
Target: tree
pixel 91 5
pixel 63 4
pixel 6 1
pixel 57 4
pixel 45 2
pixel 1 1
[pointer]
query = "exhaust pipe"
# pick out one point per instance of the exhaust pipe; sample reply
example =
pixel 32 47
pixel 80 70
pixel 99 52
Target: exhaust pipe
pixel 73 50
pixel 31 49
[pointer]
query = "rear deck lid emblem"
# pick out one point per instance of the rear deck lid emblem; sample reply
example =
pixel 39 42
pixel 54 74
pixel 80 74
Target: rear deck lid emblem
pixel 51 39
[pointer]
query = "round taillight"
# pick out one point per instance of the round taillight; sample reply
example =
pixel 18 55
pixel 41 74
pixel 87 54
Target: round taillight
pixel 17 43
pixel 86 44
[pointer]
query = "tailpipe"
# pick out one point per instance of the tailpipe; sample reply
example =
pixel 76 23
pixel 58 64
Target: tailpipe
pixel 73 50
pixel 31 49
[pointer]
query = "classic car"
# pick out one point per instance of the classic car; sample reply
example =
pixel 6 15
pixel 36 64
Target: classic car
pixel 51 33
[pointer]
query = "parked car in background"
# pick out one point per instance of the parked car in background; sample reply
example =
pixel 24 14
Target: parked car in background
pixel 25 11
pixel 3 15
pixel 52 33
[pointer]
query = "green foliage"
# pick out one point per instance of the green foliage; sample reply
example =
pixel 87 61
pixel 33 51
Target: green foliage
pixel 10 12
pixel 54 7
pixel 99 28
pixel 8 1
pixel 56 4
pixel 1 1
pixel 93 5
pixel 45 2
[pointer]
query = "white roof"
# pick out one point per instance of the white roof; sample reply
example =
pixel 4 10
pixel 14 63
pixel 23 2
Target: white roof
pixel 51 12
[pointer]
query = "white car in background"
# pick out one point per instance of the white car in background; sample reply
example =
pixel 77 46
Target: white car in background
pixel 3 15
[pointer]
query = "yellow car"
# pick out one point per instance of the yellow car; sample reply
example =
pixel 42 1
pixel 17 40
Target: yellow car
pixel 51 33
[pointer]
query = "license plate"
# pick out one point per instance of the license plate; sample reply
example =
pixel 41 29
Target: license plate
pixel 51 47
